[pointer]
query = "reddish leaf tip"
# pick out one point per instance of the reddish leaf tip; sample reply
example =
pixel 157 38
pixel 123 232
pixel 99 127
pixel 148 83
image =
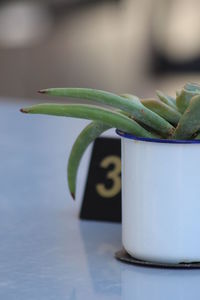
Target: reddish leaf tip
pixel 73 195
pixel 42 91
pixel 23 110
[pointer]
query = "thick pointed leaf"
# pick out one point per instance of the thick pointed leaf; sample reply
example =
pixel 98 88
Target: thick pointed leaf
pixel 167 99
pixel 193 87
pixel 189 123
pixel 183 98
pixel 88 135
pixel 133 98
pixel 89 112
pixel 140 113
pixel 162 109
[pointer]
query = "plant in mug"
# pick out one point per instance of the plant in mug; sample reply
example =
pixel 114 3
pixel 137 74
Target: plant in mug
pixel 167 117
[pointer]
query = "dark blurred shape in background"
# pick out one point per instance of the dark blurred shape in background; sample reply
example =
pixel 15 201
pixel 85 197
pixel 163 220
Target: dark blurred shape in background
pixel 176 32
pixel 116 45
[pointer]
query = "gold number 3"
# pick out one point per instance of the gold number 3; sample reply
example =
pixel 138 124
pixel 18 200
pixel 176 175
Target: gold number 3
pixel 114 175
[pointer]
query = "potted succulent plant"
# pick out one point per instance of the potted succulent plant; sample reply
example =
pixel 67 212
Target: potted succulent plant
pixel 160 165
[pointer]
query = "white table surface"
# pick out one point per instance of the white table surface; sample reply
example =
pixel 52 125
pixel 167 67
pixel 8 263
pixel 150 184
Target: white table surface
pixel 46 252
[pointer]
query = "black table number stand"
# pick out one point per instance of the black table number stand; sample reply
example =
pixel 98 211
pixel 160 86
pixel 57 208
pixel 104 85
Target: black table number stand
pixel 102 196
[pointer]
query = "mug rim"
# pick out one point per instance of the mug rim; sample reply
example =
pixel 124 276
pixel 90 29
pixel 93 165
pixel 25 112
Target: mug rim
pixel 154 140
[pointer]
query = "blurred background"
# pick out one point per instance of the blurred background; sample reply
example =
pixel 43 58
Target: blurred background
pixel 133 46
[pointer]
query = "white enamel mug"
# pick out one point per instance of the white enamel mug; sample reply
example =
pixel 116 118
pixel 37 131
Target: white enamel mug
pixel 161 199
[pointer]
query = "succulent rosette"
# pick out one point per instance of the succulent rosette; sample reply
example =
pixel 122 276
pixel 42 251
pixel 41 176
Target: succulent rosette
pixel 165 117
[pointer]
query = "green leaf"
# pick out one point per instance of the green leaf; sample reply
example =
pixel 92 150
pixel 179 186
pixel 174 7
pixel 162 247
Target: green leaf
pixel 162 109
pixel 183 98
pixel 166 99
pixel 139 112
pixel 88 135
pixel 89 112
pixel 131 97
pixel 189 123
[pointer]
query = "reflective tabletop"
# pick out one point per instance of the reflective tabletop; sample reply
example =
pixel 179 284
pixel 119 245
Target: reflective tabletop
pixel 46 252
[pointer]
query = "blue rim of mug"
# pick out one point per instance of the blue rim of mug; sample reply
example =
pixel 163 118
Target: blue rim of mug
pixel 164 141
